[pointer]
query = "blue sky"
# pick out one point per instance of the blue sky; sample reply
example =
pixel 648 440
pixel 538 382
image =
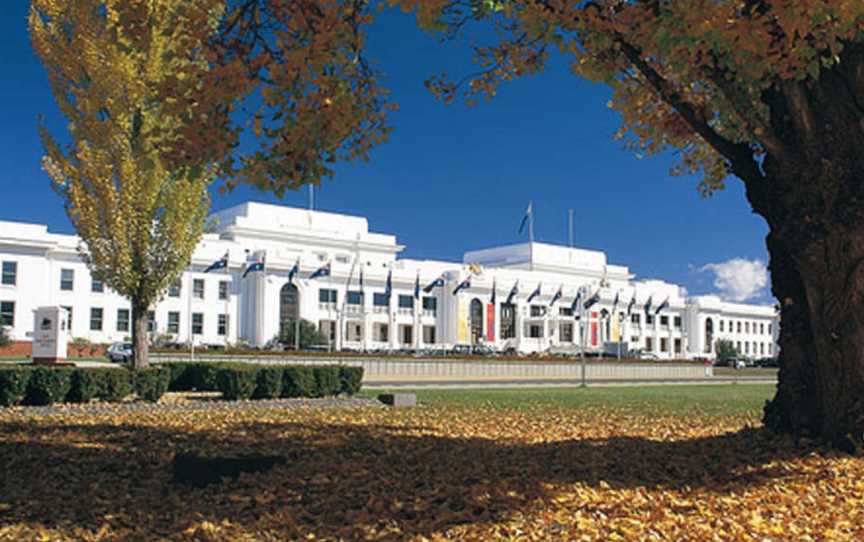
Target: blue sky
pixel 453 179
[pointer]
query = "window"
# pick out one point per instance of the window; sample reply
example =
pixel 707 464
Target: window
pixel 380 300
pixel 565 332
pixel 634 318
pixel 198 288
pixel 770 348
pixel 762 349
pixel 354 331
pixel 95 319
pixel 7 313
pixel 69 312
pixel 381 332
pixel 649 319
pixel 343 259
pixel 538 310
pixel 222 325
pixel 406 334
pixel 151 321
pixel 123 320
pixel 677 344
pixel 664 344
pixel 664 320
pixel 326 295
pixel 508 320
pixel 429 334
pixel 738 327
pixel 223 290
pixel 746 327
pixel 762 329
pixel 67 279
pixel 535 331
pixel 769 329
pixel 197 323
pixel 676 323
pixel 649 344
pixel 634 340
pixel 430 304
pixel 406 302
pixel 174 322
pixel 746 347
pixel 565 311
pixel 738 345
pixel 174 289
pixel 721 326
pixel 354 298
pixel 96 286
pixel 9 275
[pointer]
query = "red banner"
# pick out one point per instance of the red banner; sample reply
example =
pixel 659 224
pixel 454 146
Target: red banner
pixel 490 322
pixel 594 330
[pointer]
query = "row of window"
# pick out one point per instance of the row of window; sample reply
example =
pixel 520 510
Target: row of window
pixel 67 283
pixel 757 348
pixel 636 318
pixel 379 299
pixel 123 322
pixel 759 328
pixel 380 332
pixel 664 344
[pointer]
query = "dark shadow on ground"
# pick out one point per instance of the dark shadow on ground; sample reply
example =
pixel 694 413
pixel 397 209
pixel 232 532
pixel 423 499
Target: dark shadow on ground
pixel 341 479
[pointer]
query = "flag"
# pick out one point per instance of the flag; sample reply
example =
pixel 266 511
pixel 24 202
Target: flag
pixel 294 271
pixel 417 287
pixel 535 293
pixel 591 301
pixel 575 305
pixel 494 287
pixel 361 279
pixel 388 286
pixel 462 285
pixel 514 291
pixel 323 271
pixel 631 305
pixel 557 296
pixel 648 305
pixel 437 283
pixel 221 263
pixel 664 305
pixel 615 303
pixel 528 212
pixel 257 266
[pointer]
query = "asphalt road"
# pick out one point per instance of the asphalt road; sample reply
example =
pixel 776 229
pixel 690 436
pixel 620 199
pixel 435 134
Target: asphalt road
pixel 540 383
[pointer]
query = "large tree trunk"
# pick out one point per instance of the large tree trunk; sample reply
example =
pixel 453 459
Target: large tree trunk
pixel 140 340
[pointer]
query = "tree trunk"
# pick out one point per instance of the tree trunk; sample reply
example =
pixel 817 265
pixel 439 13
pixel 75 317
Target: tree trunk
pixel 140 340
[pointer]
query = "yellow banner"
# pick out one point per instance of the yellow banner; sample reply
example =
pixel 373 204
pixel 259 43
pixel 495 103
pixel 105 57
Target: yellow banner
pixel 462 333
pixel 616 331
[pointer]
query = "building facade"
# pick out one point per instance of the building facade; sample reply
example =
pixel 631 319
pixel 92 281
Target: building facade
pixel 527 297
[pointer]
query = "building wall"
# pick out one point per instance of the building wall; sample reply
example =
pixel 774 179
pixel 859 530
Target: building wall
pixel 285 237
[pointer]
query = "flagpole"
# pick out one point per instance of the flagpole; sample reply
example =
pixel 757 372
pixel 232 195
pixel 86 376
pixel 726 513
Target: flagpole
pixel 189 316
pixel 531 236
pixel 570 226
pixel 227 300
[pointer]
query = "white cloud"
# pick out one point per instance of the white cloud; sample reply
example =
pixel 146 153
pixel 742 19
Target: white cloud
pixel 739 279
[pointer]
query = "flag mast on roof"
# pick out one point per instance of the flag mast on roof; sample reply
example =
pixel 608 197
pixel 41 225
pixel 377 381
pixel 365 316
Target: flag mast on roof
pixel 529 219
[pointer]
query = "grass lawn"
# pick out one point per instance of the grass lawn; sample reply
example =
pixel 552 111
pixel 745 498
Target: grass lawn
pixel 730 399
pixel 599 464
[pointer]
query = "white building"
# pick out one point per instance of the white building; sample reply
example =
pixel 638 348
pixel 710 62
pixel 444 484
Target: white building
pixel 40 268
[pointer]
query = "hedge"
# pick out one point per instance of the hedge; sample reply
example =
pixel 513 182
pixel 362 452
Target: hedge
pixel 35 385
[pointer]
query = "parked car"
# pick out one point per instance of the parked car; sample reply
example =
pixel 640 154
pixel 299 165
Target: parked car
pixel 767 362
pixel 119 352
pixel 646 355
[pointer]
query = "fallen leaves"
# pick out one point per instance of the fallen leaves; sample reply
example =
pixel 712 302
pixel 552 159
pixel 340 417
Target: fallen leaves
pixel 430 473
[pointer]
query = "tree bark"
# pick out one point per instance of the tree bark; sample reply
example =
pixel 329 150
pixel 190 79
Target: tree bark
pixel 140 340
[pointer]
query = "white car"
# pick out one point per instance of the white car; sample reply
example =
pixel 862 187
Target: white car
pixel 648 355
pixel 120 352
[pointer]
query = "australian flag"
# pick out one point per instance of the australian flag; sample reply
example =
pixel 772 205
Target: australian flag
pixel 323 271
pixel 417 287
pixel 535 293
pixel 648 305
pixel 514 291
pixel 661 306
pixel 631 304
pixel 575 305
pixel 294 271
pixel 494 287
pixel 591 301
pixel 437 283
pixel 361 279
pixel 462 285
pixel 615 303
pixel 388 286
pixel 557 296
pixel 528 212
pixel 221 263
pixel 257 266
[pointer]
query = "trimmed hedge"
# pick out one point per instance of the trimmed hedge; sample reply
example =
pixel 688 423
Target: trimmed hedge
pixel 237 382
pixel 194 376
pixel 13 385
pixel 116 385
pixel 298 381
pixel 152 383
pixel 327 380
pixel 48 385
pixel 350 379
pixel 269 382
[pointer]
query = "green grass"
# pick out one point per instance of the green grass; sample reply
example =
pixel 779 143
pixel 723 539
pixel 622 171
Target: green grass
pixel 655 400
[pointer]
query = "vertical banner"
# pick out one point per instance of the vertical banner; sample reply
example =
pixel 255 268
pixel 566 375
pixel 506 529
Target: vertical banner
pixel 616 328
pixel 594 329
pixel 462 322
pixel 490 322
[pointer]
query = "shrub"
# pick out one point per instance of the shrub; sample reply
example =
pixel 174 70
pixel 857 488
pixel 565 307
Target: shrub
pixel 87 384
pixel 327 380
pixel 13 384
pixel 236 382
pixel 117 384
pixel 204 376
pixel 298 381
pixel 310 335
pixel 269 383
pixel 5 339
pixel 80 344
pixel 180 376
pixel 152 383
pixel 188 376
pixel 48 385
pixel 350 379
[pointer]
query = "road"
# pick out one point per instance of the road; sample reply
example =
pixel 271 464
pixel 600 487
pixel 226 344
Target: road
pixel 541 383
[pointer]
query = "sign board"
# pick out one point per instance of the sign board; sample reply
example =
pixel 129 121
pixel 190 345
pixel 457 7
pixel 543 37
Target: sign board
pixel 50 334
